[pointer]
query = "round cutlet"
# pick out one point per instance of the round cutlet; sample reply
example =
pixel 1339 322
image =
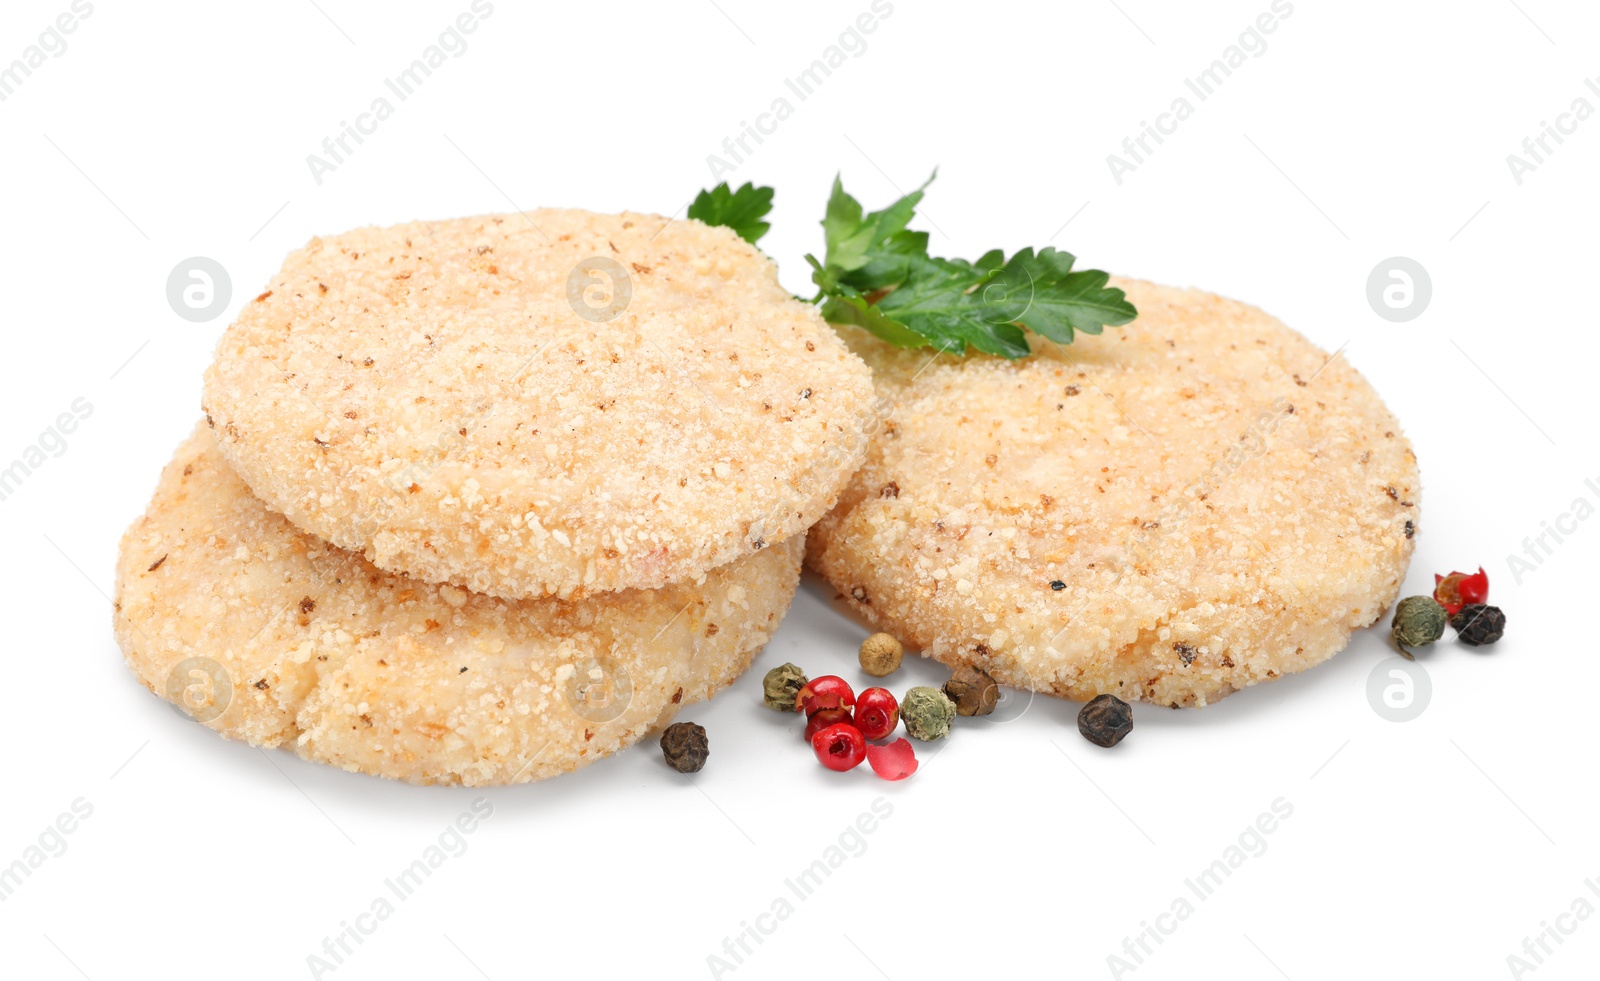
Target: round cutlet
pixel 274 637
pixel 1168 512
pixel 457 401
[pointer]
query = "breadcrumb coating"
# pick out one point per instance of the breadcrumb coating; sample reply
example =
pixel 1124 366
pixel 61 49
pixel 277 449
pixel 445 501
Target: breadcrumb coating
pixel 320 652
pixel 1169 512
pixel 441 397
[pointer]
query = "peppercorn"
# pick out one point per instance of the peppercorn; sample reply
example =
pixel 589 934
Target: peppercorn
pixel 973 691
pixel 684 746
pixel 780 687
pixel 840 747
pixel 824 718
pixel 895 761
pixel 1459 589
pixel 1105 720
pixel 927 713
pixel 880 655
pixel 1418 620
pixel 1478 624
pixel 877 713
pixel 827 692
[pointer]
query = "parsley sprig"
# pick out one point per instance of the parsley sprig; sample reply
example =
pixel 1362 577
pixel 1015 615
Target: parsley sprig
pixel 878 275
pixel 740 210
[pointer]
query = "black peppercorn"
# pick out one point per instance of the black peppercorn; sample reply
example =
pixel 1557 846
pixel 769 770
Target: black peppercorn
pixel 1105 720
pixel 684 745
pixel 1477 624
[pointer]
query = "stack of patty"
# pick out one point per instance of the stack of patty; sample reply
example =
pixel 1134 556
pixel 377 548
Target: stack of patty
pixel 481 501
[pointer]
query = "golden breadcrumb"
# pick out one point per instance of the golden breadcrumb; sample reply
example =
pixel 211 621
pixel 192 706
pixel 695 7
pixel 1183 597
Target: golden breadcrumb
pixel 434 396
pixel 1169 512
pixel 224 606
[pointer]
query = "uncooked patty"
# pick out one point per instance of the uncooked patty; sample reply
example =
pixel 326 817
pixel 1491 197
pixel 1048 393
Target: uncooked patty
pixel 271 636
pixel 448 398
pixel 1169 512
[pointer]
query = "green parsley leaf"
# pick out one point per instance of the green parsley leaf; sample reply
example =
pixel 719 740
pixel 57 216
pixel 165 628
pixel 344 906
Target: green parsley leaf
pixel 1043 294
pixel 947 302
pixel 844 305
pixel 740 210
pixel 878 275
pixel 869 251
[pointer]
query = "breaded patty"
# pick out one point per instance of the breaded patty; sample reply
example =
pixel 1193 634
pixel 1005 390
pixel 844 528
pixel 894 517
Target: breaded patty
pixel 274 637
pixel 552 404
pixel 1169 512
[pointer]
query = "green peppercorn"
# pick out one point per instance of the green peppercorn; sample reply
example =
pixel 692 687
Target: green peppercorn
pixel 1418 621
pixel 780 687
pixel 880 655
pixel 1477 624
pixel 927 713
pixel 973 691
pixel 684 746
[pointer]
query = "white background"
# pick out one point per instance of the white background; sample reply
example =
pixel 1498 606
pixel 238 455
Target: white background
pixel 1366 130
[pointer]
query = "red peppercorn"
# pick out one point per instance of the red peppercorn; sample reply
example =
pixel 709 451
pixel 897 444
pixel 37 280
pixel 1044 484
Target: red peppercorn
pixel 895 761
pixel 825 718
pixel 827 692
pixel 877 713
pixel 840 747
pixel 1460 589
